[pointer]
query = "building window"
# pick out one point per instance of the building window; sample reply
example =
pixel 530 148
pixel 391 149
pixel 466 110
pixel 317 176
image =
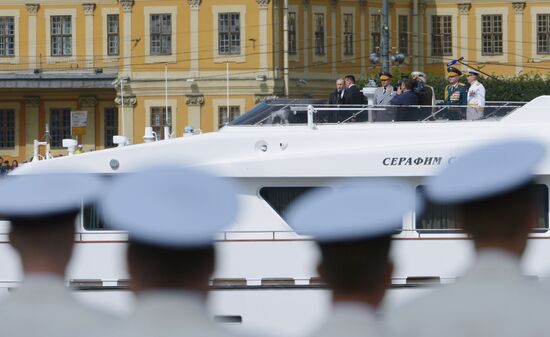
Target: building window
pixel 442 35
pixel 161 34
pixel 438 217
pixel 403 27
pixel 7 36
pixel 348 35
pixel 224 117
pixel 292 33
pixel 60 126
pixel 61 35
pixel 543 33
pixel 159 120
pixel 375 32
pixel 319 34
pixel 111 126
pixel 113 35
pixel 491 34
pixel 229 30
pixel 7 129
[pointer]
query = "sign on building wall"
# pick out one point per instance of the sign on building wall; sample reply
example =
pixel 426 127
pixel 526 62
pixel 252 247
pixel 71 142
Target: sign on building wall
pixel 79 122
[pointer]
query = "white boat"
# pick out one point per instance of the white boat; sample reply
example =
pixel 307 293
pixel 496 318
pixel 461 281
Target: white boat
pixel 266 274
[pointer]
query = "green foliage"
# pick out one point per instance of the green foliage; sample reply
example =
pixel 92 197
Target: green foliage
pixel 520 88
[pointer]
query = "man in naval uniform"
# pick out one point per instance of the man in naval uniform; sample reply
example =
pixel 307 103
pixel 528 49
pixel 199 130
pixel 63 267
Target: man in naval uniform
pixel 476 96
pixel 384 93
pixel 353 227
pixel 492 188
pixel 167 214
pixel 42 210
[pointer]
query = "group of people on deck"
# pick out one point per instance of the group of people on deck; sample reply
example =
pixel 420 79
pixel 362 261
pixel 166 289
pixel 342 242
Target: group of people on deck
pixel 171 255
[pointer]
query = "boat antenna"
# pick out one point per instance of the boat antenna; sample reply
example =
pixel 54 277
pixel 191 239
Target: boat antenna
pixel 461 61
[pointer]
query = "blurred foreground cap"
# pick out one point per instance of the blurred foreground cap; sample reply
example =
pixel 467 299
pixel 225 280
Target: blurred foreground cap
pixel 32 196
pixel 170 206
pixel 349 213
pixel 486 171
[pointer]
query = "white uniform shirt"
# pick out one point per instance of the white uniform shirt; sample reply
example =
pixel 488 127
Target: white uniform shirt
pixel 167 314
pixel 43 307
pixel 476 94
pixel 492 299
pixel 349 319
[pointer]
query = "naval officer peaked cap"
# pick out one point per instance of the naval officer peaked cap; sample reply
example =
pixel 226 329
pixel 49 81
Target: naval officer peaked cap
pixel 348 213
pixel 486 171
pixel 170 206
pixel 30 196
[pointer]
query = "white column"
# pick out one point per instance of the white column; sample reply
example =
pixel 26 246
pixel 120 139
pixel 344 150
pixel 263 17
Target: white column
pixel 333 40
pixel 89 22
pixel 194 28
pixel 194 103
pixel 463 11
pixel 421 37
pixel 127 35
pixel 276 46
pixel 262 16
pixel 32 107
pixel 32 10
pixel 305 53
pixel 415 35
pixel 519 8
pixel 129 105
pixel 363 5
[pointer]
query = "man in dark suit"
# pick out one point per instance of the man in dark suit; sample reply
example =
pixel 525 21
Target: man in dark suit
pixel 352 94
pixel 337 96
pixel 405 96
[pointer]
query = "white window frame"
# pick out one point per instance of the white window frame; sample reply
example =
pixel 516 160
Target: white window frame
pixel 348 58
pixel 60 12
pixel 152 103
pixel 14 152
pixel 104 13
pixel 453 12
pixel 222 58
pixel 147 12
pixel 319 10
pixel 217 103
pixel 505 20
pixel 295 57
pixel 15 59
pixel 408 14
pixel 534 12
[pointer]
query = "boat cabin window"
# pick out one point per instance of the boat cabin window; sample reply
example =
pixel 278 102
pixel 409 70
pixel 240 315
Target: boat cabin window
pixel 295 112
pixel 92 220
pixel 442 218
pixel 279 198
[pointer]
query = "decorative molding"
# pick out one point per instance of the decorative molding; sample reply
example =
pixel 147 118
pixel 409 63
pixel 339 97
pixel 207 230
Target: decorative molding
pixel 31 101
pixel 262 4
pixel 262 98
pixel 306 4
pixel 129 101
pixel 32 9
pixel 127 5
pixel 194 99
pixel 194 4
pixel 333 3
pixel 88 101
pixel 421 9
pixel 88 8
pixel 519 7
pixel 363 4
pixel 464 8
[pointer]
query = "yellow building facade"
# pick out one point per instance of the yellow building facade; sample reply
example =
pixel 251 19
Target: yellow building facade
pixel 125 61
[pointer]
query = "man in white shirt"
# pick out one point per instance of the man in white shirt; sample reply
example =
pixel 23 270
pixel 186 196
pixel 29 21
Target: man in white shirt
pixel 353 227
pixel 168 215
pixel 42 210
pixel 476 96
pixel 493 191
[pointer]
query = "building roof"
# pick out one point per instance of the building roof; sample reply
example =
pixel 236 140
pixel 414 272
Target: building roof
pixel 72 80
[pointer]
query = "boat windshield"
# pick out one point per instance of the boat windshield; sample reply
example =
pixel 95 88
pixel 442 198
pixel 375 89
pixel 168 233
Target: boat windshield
pixel 295 111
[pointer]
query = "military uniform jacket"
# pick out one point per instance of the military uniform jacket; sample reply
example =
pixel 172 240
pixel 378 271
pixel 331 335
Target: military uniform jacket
pixel 476 94
pixel 167 314
pixel 456 94
pixel 381 98
pixel 492 299
pixel 350 320
pixel 43 307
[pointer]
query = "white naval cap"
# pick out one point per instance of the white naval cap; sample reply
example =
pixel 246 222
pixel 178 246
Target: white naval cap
pixel 486 171
pixel 31 196
pixel 346 213
pixel 170 206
